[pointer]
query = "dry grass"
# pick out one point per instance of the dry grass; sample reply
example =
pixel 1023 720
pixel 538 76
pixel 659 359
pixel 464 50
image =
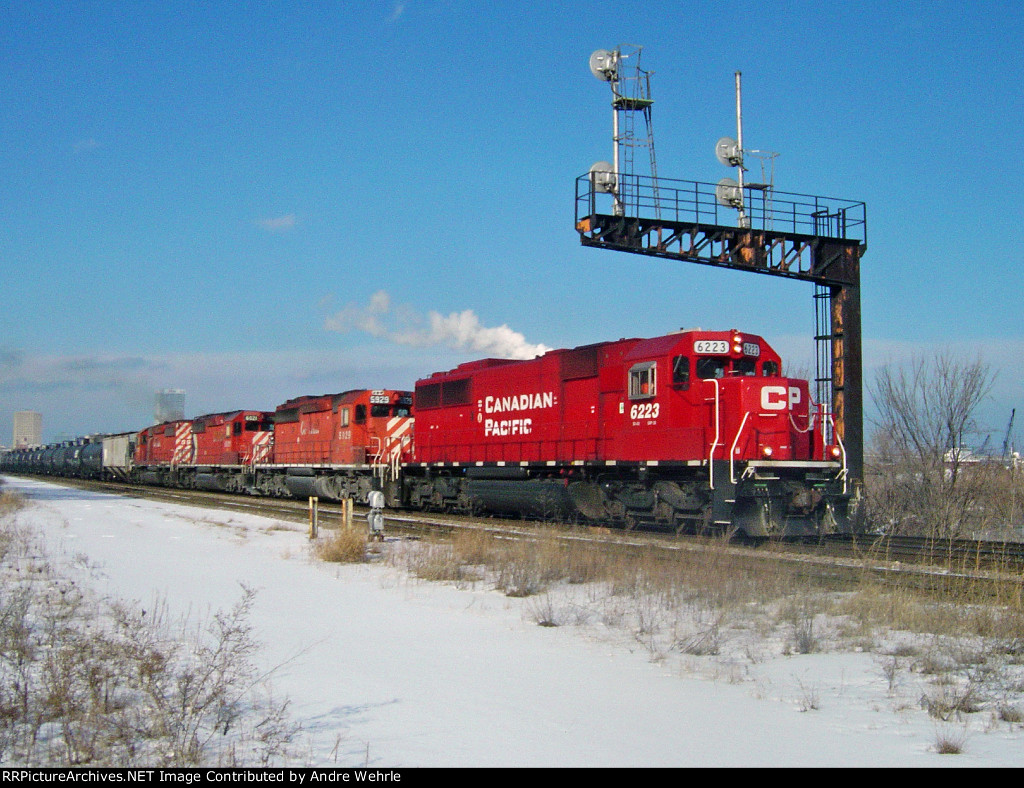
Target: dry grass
pixel 344 546
pixel 441 563
pixel 10 503
pixel 950 740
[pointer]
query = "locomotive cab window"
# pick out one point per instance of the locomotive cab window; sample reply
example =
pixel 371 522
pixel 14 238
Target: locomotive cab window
pixel 643 380
pixel 770 369
pixel 712 367
pixel 360 414
pixel 745 367
pixel 681 372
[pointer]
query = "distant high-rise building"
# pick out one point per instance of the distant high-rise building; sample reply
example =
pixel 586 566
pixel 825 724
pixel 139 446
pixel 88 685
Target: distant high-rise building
pixel 170 405
pixel 28 429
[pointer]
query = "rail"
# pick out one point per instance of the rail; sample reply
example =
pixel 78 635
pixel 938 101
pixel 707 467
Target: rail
pixel 696 203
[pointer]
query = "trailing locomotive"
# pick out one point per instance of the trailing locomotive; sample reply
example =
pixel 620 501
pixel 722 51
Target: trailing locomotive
pixel 696 430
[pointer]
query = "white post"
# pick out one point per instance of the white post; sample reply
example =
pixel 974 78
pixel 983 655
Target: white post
pixel 744 220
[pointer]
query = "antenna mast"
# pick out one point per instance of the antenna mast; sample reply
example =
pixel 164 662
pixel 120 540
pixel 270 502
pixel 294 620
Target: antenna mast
pixel 631 94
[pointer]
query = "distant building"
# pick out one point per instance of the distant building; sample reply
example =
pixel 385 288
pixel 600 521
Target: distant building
pixel 28 429
pixel 170 405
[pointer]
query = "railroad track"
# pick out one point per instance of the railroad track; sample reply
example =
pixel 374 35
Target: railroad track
pixel 964 554
pixel 845 559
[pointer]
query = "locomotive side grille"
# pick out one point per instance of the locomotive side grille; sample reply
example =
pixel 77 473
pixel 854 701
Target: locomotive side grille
pixel 428 396
pixel 456 392
pixel 580 363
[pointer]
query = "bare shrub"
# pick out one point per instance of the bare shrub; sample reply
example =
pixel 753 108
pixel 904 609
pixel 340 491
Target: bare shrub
pixel 809 699
pixel 344 546
pixel 891 671
pixel 93 682
pixel 952 699
pixel 544 612
pixel 705 642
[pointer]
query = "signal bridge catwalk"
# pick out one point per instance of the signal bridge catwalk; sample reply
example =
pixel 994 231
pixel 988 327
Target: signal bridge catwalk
pixel 816 239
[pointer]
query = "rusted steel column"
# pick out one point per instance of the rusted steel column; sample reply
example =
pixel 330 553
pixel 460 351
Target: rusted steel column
pixel 847 373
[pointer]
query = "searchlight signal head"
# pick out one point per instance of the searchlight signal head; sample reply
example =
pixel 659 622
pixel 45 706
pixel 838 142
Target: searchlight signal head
pixel 602 177
pixel 728 152
pixel 729 194
pixel 604 64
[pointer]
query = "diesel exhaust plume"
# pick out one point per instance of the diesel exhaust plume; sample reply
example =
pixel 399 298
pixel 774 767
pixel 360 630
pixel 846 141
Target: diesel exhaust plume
pixel 404 326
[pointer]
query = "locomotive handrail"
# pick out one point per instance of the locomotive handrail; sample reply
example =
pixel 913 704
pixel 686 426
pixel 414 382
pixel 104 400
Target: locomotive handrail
pixel 842 448
pixel 732 449
pixel 376 461
pixel 714 444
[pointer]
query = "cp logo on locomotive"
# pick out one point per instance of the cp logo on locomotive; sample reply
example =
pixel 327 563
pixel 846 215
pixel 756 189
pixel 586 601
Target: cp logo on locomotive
pixel 778 397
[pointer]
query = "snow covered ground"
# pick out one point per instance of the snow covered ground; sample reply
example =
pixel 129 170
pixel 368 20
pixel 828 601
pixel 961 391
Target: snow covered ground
pixel 385 670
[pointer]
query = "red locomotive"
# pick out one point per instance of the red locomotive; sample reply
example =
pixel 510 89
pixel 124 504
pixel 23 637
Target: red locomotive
pixel 212 452
pixel 158 449
pixel 696 430
pixel 335 445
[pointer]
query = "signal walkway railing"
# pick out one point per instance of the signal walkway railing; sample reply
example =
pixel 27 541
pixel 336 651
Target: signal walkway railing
pixel 694 202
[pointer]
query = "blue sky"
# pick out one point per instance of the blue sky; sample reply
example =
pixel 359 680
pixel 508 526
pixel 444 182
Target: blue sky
pixel 220 197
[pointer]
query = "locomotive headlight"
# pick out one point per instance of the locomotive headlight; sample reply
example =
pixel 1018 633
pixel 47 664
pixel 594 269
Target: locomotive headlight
pixel 737 348
pixel 767 451
pixel 835 451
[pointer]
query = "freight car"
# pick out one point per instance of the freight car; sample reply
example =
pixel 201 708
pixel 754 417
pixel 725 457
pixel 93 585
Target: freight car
pixel 696 430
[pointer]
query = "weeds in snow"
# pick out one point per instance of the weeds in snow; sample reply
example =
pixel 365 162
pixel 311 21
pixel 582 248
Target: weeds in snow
pixel 345 546
pixel 88 681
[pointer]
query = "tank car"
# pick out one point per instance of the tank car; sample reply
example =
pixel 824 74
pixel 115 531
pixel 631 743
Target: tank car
pixel 696 430
pixel 91 459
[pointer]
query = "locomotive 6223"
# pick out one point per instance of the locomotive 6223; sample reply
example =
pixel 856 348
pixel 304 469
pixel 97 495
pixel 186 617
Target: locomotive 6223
pixel 696 430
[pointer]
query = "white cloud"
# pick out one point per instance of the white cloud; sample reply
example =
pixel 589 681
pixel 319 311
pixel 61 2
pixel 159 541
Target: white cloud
pixel 279 224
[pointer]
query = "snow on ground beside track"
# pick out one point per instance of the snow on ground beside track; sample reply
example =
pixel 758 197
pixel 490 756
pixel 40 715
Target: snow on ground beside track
pixel 386 670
